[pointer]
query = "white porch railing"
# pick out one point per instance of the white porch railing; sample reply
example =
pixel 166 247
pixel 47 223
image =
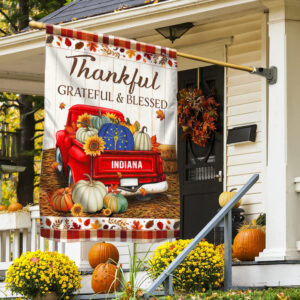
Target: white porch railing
pixel 23 235
pixel 14 242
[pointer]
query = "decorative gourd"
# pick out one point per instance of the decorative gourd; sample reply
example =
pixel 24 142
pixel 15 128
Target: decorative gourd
pixel 98 121
pixel 3 207
pixel 89 194
pixel 261 220
pixel 61 199
pixel 116 136
pixel 84 132
pixel 142 140
pixel 15 206
pixel 225 197
pixel 117 203
pixel 101 253
pixel 105 279
pixel 130 126
pixel 248 243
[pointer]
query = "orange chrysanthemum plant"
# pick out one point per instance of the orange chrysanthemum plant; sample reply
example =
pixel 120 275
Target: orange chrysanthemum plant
pixel 93 146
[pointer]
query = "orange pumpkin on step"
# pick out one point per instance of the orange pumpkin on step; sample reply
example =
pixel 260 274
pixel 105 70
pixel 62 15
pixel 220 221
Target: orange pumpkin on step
pixel 248 243
pixel 15 206
pixel 3 207
pixel 105 279
pixel 103 253
pixel 62 199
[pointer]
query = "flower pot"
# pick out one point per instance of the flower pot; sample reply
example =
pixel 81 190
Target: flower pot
pixel 49 296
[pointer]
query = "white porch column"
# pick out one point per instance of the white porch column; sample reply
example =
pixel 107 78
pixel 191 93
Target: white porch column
pixel 283 203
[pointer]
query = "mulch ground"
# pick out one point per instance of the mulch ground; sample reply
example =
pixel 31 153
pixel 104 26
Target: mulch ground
pixel 165 205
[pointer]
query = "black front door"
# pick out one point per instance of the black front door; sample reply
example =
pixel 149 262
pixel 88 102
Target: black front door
pixel 201 169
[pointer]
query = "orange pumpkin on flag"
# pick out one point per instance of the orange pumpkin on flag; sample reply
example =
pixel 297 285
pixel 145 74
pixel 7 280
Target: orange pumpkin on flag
pixel 62 199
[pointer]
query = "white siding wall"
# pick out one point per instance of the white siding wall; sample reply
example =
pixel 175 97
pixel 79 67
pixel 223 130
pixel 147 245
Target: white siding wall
pixel 246 104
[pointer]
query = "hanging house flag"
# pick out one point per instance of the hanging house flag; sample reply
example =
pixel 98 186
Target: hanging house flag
pixel 109 168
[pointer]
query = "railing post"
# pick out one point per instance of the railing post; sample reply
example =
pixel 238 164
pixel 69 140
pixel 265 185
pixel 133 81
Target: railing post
pixel 2 245
pixel 168 285
pixel 171 284
pixel 35 214
pixel 7 246
pixel 42 243
pixel 16 243
pixel 0 186
pixel 227 251
pixel 61 247
pixel 25 240
pixel 52 246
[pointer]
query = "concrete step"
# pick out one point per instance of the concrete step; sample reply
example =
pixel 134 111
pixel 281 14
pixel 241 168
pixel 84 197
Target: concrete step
pixel 266 274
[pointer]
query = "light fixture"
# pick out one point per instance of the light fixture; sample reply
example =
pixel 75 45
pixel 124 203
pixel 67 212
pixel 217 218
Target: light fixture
pixel 175 31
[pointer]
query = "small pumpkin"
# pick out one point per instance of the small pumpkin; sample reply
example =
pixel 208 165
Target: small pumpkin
pixel 15 206
pixel 117 203
pixel 3 207
pixel 98 121
pixel 261 220
pixel 225 197
pixel 61 199
pixel 116 136
pixel 84 132
pixel 248 243
pixel 89 194
pixel 130 126
pixel 142 140
pixel 102 253
pixel 105 279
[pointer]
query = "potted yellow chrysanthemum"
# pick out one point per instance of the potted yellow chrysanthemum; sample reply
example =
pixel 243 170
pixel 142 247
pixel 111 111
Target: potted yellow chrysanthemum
pixel 43 275
pixel 201 270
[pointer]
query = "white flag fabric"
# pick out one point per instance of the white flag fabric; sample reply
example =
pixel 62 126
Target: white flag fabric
pixel 109 166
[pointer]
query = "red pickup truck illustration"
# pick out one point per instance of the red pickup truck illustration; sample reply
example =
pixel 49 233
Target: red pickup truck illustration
pixel 130 169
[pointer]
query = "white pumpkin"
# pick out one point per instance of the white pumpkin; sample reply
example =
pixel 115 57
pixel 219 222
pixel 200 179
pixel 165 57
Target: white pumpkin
pixel 98 121
pixel 142 140
pixel 84 132
pixel 89 194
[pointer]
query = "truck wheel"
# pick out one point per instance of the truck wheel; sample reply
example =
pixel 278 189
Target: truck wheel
pixel 144 198
pixel 70 177
pixel 59 160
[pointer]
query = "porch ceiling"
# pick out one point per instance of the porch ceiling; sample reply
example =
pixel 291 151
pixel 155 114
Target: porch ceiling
pixel 22 55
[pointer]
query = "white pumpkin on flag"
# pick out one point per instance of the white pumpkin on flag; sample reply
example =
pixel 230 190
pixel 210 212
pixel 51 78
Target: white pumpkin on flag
pixel 142 140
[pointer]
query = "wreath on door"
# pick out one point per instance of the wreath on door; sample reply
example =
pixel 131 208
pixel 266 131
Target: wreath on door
pixel 197 115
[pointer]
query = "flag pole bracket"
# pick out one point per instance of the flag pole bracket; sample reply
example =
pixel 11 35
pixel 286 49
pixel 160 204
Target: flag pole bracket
pixel 269 73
